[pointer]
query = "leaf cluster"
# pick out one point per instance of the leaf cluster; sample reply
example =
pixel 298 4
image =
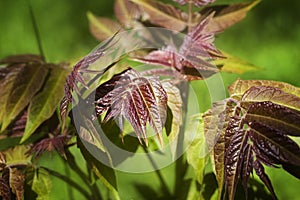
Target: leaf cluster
pixel 252 129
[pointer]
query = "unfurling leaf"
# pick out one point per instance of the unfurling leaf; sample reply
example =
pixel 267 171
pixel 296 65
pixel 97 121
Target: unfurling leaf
pixel 76 76
pixel 54 143
pixel 138 99
pixel 25 76
pixel 193 59
pixel 164 15
pixel 255 132
pixel 227 15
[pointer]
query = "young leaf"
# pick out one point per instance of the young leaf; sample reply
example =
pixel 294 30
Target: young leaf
pixel 239 87
pixel 102 28
pixel 175 105
pixel 139 99
pixel 164 15
pixel 260 122
pixel 26 84
pixel 17 156
pixel 54 143
pixel 16 129
pixel 4 190
pixel 193 60
pixel 9 74
pixel 276 116
pixel 76 76
pixel 234 64
pixel 269 93
pixel 126 12
pixel 196 151
pixel 197 3
pixel 41 184
pixel 44 103
pixel 227 15
pixel 16 182
pixel 6 85
pixel 215 136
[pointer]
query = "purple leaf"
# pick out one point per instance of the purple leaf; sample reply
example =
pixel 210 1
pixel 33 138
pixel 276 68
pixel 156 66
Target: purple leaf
pixel 197 3
pixel 138 99
pixel 193 59
pixel 76 76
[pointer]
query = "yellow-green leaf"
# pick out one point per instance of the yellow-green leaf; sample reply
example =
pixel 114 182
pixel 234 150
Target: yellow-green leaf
pixel 41 184
pixel 197 150
pixel 44 103
pixel 17 155
pixel 175 105
pixel 6 85
pixel 102 28
pixel 234 64
pixel 28 82
pixel 239 87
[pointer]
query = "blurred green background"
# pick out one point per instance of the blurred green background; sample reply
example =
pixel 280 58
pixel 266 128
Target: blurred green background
pixel 269 37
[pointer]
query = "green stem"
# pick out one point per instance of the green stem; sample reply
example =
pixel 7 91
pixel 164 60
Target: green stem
pixel 68 181
pixel 36 30
pixel 96 192
pixel 159 175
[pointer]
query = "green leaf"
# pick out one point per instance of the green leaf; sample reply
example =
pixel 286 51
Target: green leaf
pixel 102 28
pixel 164 15
pixel 28 82
pixel 234 64
pixel 44 103
pixel 175 105
pixel 227 15
pixel 41 184
pixel 196 152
